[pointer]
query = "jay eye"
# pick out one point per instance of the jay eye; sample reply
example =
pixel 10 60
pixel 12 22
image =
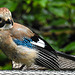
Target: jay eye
pixel 0 20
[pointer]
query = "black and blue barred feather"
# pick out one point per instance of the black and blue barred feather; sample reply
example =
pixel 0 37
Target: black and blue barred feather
pixel 24 42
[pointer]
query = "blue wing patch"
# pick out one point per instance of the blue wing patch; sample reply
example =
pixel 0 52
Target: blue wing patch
pixel 25 42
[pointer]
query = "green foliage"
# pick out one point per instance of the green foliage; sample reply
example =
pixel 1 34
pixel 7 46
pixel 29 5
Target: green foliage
pixel 44 13
pixel 41 11
pixel 70 46
pixel 7 67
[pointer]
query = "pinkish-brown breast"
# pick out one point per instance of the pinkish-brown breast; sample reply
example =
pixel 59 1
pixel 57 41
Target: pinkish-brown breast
pixel 19 31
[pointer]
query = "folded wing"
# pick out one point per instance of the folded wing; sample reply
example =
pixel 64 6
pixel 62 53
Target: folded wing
pixel 46 55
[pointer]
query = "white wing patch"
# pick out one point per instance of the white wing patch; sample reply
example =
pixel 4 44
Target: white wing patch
pixel 39 43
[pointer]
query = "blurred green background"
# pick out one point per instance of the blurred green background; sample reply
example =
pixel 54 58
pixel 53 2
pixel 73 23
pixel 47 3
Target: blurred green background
pixel 53 20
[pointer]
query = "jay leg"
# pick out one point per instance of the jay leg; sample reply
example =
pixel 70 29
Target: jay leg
pixel 18 66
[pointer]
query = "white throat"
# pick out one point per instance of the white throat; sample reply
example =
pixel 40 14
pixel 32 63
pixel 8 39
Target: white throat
pixel 7 26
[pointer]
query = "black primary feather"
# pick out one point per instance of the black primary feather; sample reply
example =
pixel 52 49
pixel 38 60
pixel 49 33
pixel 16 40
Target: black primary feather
pixel 47 56
pixel 36 38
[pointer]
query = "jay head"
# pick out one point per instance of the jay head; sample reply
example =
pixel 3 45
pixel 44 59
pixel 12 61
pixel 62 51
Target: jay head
pixel 6 20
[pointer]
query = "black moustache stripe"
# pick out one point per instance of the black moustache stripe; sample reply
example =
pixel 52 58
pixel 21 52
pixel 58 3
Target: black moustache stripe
pixel 6 22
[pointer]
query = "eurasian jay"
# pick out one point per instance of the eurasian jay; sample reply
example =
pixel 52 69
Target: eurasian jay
pixel 22 45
